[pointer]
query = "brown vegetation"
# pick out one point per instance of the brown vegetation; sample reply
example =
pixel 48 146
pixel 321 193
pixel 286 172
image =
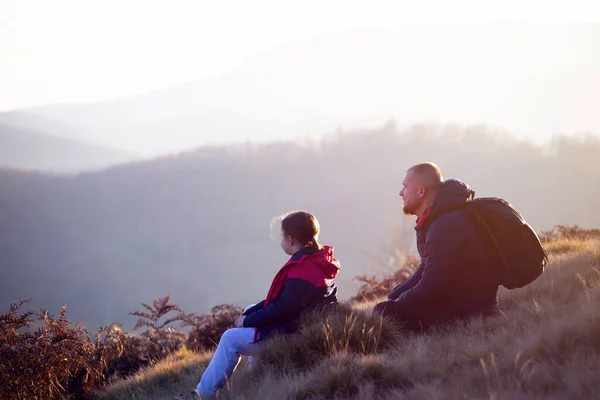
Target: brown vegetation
pixel 373 287
pixel 571 232
pixel 59 360
pixel 207 329
pixel 55 360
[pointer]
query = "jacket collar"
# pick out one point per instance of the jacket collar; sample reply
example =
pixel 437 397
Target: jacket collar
pixel 421 220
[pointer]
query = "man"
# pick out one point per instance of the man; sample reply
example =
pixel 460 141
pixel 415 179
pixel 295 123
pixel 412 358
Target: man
pixel 455 279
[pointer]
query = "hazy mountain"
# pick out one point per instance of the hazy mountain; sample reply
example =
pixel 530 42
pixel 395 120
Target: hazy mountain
pixel 533 80
pixel 196 225
pixel 26 149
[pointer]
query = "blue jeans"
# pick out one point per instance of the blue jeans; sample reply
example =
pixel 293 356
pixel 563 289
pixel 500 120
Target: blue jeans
pixel 234 343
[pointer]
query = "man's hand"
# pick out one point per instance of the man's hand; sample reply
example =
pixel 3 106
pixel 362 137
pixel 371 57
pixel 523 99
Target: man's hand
pixel 239 322
pixel 394 294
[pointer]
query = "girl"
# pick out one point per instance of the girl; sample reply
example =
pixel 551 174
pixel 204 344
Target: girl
pixel 306 281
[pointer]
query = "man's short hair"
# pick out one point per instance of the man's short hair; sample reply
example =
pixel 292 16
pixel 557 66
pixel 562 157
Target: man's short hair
pixel 428 174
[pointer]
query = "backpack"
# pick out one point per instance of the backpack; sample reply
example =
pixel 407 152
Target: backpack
pixel 520 255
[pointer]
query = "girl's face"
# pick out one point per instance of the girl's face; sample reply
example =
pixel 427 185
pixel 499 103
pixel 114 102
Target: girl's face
pixel 287 242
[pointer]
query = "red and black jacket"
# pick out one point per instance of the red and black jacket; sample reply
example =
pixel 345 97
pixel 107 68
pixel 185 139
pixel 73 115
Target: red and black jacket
pixel 306 281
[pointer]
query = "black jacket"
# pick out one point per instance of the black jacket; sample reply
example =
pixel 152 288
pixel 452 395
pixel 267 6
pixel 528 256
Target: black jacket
pixel 455 278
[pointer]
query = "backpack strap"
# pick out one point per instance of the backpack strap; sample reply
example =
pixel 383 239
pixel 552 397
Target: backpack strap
pixel 436 214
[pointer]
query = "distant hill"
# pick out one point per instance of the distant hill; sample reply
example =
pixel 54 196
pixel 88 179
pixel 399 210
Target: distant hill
pixel 31 150
pixel 162 132
pixel 196 225
pixel 38 143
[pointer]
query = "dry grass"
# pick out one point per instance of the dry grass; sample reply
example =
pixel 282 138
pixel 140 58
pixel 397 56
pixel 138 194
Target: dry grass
pixel 161 380
pixel 545 345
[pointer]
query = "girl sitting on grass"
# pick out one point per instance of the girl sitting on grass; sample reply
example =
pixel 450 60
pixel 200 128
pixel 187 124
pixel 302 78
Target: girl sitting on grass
pixel 306 281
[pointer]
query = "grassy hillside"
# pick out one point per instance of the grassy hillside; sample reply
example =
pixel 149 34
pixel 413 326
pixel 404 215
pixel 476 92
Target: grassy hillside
pixel 546 344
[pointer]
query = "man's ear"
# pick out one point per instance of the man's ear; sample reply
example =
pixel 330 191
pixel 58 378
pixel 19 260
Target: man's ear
pixel 421 191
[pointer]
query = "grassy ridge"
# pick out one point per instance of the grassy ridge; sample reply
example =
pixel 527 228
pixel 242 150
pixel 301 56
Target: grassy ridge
pixel 545 345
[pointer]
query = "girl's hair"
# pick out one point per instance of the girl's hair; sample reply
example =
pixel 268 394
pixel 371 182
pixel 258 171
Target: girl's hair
pixel 302 226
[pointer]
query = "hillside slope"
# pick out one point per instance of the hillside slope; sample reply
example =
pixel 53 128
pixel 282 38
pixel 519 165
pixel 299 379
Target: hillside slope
pixel 545 345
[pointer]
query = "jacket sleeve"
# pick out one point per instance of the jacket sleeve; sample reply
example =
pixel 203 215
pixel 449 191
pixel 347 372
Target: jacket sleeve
pixel 287 307
pixel 442 244
pixel 407 284
pixel 255 307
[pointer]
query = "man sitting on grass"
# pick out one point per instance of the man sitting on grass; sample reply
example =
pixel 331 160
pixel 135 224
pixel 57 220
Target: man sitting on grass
pixel 455 279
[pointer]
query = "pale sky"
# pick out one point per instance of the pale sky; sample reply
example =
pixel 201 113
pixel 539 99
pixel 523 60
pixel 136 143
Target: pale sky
pixel 81 51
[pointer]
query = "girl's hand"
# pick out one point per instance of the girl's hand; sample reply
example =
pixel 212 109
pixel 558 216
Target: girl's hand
pixel 239 322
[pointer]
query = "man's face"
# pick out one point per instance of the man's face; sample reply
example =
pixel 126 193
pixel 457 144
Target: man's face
pixel 411 193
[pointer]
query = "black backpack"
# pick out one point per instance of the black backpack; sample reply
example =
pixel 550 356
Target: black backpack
pixel 520 255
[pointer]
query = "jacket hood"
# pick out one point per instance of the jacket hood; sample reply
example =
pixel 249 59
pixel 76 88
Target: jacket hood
pixel 322 258
pixel 452 193
pixel 325 261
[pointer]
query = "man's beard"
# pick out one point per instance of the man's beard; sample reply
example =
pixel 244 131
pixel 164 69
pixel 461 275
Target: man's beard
pixel 407 209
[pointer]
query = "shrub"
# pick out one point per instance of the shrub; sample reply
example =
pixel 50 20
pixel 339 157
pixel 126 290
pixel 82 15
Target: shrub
pixel 58 360
pixel 123 352
pixel 164 338
pixel 54 360
pixel 568 232
pixel 207 329
pixel 374 288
